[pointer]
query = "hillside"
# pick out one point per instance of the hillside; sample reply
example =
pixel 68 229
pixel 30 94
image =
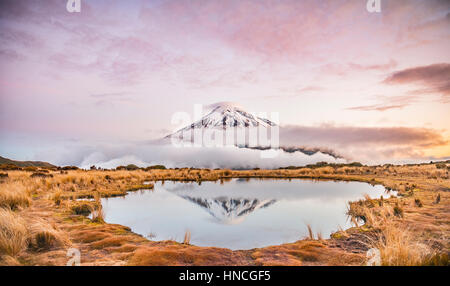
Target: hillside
pixel 25 163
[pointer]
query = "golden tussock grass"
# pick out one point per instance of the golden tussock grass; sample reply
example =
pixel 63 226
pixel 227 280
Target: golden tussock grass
pixel 398 247
pixel 14 195
pixel 304 252
pixel 178 254
pixel 13 233
pixel 43 236
pixel 397 244
pixel 392 219
pixel 98 215
pixel 109 242
pixel 91 236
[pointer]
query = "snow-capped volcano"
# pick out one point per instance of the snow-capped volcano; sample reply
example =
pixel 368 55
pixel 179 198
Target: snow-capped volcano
pixel 231 125
pixel 226 116
pixel 230 210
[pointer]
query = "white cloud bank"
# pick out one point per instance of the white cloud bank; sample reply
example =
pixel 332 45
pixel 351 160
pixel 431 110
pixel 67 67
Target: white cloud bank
pixel 199 157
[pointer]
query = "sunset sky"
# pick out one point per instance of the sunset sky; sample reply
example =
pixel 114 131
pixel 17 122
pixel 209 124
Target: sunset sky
pixel 117 71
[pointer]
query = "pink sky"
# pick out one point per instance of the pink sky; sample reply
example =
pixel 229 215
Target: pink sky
pixel 118 70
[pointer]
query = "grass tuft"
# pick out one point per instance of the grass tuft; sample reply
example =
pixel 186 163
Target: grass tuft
pixel 14 195
pixel 13 233
pixel 98 215
pixel 418 203
pixel 82 208
pixel 398 211
pixel 398 247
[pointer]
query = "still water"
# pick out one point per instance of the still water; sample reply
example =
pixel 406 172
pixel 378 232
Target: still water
pixel 240 213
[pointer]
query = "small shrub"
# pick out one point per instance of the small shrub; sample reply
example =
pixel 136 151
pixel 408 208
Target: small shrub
pixel 44 240
pixel 398 211
pixel 57 198
pixel 441 166
pixel 132 167
pixel 156 167
pixel 30 169
pixel 68 168
pixel 9 167
pixel 3 175
pixel 41 175
pixel 82 209
pixel 418 203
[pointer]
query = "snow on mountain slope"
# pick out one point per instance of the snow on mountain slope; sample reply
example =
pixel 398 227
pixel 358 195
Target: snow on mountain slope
pixel 234 120
pixel 223 117
pixel 230 210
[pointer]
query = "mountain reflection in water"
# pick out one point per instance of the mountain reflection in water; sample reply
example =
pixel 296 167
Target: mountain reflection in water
pixel 229 210
pixel 239 213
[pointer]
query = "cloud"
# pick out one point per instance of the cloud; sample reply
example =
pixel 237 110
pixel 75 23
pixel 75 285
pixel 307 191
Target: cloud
pixel 366 144
pixel 369 145
pixel 342 136
pixel 310 88
pixel 111 94
pixel 390 65
pixel 377 107
pixel 387 103
pixel 223 104
pixel 109 99
pixel 112 155
pixel 434 78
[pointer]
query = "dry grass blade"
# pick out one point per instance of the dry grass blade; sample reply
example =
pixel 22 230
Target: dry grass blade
pixel 98 215
pixel 187 237
pixel 310 232
pixel 319 236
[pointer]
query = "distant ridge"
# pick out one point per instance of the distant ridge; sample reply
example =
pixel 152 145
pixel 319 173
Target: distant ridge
pixel 6 161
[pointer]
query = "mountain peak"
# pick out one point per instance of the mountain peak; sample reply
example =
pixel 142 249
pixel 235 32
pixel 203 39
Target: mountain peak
pixel 230 210
pixel 227 115
pixel 224 105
